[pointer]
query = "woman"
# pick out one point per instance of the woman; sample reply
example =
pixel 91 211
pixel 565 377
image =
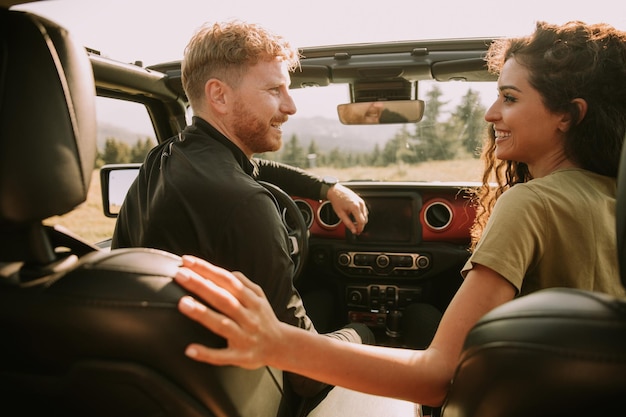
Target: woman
pixel 559 120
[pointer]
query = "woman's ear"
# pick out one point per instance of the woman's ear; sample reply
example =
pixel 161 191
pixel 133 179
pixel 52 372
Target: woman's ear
pixel 572 118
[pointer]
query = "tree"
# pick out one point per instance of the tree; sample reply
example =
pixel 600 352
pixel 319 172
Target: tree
pixel 115 152
pixel 431 139
pixel 389 154
pixel 314 157
pixel 399 149
pixel 140 150
pixel 468 122
pixel 336 158
pixel 313 147
pixel 376 157
pixel 293 153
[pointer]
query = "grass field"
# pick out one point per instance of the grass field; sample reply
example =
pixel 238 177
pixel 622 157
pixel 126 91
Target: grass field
pixel 89 222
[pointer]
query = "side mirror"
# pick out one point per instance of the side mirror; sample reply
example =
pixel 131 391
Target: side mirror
pixel 381 112
pixel 115 180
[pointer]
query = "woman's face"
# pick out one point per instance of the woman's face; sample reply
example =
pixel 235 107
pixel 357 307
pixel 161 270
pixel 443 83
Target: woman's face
pixel 525 130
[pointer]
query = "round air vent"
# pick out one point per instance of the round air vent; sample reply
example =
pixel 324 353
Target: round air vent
pixel 306 210
pixel 438 215
pixel 327 216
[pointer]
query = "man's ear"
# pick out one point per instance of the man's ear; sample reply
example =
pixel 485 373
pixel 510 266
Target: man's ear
pixel 215 93
pixel 578 112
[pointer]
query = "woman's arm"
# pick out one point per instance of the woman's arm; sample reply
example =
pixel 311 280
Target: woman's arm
pixel 241 314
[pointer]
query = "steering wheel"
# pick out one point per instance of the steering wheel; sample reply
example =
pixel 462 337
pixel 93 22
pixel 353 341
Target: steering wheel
pixel 296 227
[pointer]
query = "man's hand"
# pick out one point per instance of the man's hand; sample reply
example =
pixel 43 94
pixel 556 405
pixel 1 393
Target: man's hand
pixel 350 208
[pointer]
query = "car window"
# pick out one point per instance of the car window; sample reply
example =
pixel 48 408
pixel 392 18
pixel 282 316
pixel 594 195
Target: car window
pixel 125 134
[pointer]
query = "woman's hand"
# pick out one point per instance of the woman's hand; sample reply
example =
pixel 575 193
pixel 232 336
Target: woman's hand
pixel 240 313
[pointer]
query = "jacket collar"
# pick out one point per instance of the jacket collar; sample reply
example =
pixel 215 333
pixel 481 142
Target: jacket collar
pixel 250 167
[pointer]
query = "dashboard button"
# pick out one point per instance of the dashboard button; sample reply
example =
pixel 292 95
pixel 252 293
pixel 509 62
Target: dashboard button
pixel 382 261
pixel 423 262
pixel 375 291
pixel 356 297
pixel 343 259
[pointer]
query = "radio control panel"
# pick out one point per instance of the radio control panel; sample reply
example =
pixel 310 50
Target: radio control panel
pixel 382 263
pixel 382 298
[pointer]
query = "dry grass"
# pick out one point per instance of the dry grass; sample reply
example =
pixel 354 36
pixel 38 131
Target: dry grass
pixel 457 170
pixel 89 222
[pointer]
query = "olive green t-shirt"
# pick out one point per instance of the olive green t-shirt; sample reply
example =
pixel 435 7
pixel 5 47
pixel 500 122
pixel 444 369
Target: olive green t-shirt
pixel 554 231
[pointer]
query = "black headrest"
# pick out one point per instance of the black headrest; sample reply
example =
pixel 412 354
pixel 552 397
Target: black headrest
pixel 47 119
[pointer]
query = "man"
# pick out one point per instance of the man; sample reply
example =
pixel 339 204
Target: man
pixel 197 193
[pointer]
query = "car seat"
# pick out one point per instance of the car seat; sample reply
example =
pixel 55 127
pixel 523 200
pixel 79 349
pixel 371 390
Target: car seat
pixel 84 331
pixel 556 352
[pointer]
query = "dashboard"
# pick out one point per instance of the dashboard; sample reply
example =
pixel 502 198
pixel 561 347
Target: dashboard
pixel 410 252
pixel 399 214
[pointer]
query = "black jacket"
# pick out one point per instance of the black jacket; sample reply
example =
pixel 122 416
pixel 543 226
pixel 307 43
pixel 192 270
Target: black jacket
pixel 197 193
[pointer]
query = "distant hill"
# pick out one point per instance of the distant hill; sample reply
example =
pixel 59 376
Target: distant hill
pixel 106 131
pixel 327 134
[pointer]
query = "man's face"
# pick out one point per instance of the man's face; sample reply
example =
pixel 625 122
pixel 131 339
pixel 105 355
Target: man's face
pixel 261 105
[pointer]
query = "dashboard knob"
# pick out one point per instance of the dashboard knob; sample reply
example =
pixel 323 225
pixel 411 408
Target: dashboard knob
pixel 343 259
pixel 423 262
pixel 355 297
pixel 382 261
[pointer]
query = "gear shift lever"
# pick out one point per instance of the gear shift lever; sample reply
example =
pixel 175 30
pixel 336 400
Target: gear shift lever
pixel 392 324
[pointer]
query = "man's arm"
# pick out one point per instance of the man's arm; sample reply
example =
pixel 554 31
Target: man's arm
pixel 294 181
pixel 348 205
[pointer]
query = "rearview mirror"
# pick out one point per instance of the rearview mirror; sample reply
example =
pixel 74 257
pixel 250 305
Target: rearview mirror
pixel 381 112
pixel 115 181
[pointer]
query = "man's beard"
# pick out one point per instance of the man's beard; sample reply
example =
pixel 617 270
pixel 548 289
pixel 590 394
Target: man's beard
pixel 257 135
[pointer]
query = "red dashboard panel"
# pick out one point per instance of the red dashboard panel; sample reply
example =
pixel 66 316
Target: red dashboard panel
pixel 457 230
pixel 445 215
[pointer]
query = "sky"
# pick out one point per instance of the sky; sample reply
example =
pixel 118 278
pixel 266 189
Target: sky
pixel 155 31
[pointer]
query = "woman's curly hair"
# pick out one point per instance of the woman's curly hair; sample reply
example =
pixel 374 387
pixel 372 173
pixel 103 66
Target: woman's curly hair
pixel 564 62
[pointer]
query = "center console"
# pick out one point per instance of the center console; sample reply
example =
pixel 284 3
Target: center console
pixel 394 276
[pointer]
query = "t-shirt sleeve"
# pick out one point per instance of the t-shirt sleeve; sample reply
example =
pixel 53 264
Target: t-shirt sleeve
pixel 513 239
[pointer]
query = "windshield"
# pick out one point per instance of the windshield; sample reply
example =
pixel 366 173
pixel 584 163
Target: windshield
pixel 443 146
